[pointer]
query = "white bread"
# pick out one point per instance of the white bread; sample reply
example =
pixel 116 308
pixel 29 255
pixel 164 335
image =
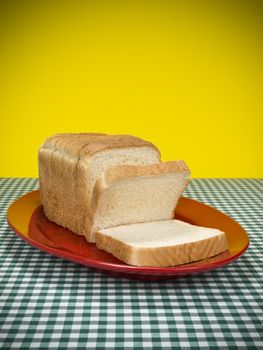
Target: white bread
pixel 69 166
pixel 132 194
pixel 161 243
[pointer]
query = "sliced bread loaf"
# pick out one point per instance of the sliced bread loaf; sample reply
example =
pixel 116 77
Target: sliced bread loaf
pixel 161 243
pixel 132 194
pixel 70 164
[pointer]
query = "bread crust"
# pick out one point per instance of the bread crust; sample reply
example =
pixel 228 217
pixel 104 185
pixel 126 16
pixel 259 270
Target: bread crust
pixel 163 256
pixel 85 145
pixel 119 172
pixel 63 165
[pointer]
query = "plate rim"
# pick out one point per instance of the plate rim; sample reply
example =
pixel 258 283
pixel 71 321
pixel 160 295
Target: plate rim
pixel 125 268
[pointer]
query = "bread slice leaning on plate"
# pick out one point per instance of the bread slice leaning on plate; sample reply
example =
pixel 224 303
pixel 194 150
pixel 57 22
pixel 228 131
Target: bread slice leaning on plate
pixel 70 165
pixel 161 243
pixel 128 194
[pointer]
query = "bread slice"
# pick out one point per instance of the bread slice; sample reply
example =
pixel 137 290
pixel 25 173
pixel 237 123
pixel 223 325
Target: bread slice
pixel 70 164
pixel 132 194
pixel 161 243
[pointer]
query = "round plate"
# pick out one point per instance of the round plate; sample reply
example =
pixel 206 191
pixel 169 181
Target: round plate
pixel 26 217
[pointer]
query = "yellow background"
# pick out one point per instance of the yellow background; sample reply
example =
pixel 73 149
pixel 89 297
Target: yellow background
pixel 184 75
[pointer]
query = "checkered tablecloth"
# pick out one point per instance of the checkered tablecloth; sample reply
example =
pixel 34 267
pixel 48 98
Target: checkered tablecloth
pixel 46 302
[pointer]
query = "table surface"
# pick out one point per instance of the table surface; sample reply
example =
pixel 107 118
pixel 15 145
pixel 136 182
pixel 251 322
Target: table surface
pixel 46 302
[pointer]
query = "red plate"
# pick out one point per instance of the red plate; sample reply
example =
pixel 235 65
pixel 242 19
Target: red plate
pixel 26 217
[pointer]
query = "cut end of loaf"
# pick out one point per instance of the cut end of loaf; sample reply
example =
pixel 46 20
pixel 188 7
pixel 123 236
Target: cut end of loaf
pixel 161 243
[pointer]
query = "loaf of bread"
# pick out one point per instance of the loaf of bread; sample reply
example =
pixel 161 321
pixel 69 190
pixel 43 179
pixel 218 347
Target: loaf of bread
pixel 70 165
pixel 114 190
pixel 161 243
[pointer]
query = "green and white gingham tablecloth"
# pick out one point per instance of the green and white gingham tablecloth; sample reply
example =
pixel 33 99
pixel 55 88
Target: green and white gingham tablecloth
pixel 46 302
